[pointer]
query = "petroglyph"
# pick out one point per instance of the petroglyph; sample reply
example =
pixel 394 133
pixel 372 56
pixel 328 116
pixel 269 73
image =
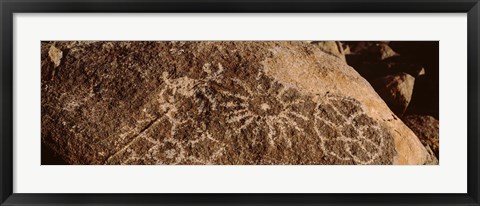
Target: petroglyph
pixel 266 104
pixel 206 103
pixel 267 114
pixel 347 133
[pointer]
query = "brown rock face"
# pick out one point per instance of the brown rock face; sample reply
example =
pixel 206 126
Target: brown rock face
pixel 372 50
pixel 426 129
pixel 215 103
pixel 396 90
pixel 331 47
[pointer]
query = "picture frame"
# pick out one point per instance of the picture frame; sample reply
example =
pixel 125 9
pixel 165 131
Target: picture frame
pixel 9 7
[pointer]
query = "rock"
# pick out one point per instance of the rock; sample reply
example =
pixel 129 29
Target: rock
pixel 398 64
pixel 346 48
pixel 396 90
pixel 55 55
pixel 334 48
pixel 426 129
pixel 358 47
pixel 383 51
pixel 371 50
pixel 373 71
pixel 216 103
pixel 431 159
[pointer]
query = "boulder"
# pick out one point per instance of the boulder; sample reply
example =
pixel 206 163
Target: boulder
pixel 400 64
pixel 431 159
pixel 383 51
pixel 227 103
pixel 375 70
pixel 374 60
pixel 371 50
pixel 334 48
pixel 396 90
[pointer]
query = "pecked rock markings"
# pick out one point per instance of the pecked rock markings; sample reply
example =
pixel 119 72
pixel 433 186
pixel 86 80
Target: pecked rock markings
pixel 215 103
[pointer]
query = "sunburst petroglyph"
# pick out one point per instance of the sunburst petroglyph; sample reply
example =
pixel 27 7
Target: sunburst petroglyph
pixel 264 105
pixel 258 118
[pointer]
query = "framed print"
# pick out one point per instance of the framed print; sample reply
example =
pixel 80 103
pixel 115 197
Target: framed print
pixel 240 102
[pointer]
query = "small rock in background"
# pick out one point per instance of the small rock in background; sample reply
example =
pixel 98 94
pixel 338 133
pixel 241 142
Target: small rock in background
pixel 396 91
pixel 426 129
pixel 334 48
pixel 373 70
pixel 382 51
pixel 55 55
pixel 401 64
pixel 371 51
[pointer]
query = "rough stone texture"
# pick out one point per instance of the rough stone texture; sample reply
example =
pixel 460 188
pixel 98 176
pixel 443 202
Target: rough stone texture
pixel 384 51
pixel 215 103
pixel 396 90
pixel 334 48
pixel 371 50
pixel 426 129
pixel 431 159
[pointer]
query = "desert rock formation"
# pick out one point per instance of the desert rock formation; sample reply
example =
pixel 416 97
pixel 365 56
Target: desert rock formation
pixel 215 103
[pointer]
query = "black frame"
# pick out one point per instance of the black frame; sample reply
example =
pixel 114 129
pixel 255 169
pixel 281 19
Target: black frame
pixel 9 7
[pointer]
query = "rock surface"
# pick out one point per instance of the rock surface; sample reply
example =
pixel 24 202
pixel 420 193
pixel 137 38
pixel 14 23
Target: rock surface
pixel 215 103
pixel 331 47
pixel 426 129
pixel 396 90
pixel 371 50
